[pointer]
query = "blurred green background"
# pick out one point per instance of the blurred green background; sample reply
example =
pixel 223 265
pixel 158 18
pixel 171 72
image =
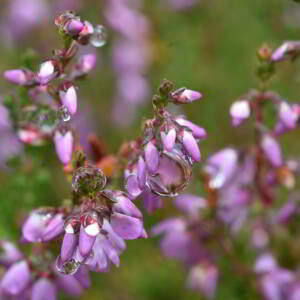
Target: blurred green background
pixel 211 48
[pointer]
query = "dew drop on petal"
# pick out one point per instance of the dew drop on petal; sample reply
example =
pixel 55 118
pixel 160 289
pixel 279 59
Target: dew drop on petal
pixel 173 174
pixel 88 179
pixel 64 114
pixel 72 225
pixel 69 267
pixel 99 37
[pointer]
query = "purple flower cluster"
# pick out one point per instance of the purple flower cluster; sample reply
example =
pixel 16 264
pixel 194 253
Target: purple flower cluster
pixel 94 229
pixel 185 239
pixel 35 277
pixel 160 162
pixel 52 87
pixel 242 192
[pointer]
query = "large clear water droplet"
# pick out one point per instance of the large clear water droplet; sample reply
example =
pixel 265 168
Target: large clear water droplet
pixel 63 114
pixel 88 179
pixel 69 267
pixel 99 37
pixel 173 174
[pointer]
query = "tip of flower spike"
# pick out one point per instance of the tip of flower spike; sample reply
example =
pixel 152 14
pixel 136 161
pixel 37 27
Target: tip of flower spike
pixel 184 96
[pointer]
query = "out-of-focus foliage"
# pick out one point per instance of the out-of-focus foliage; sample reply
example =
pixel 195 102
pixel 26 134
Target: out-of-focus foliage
pixel 209 47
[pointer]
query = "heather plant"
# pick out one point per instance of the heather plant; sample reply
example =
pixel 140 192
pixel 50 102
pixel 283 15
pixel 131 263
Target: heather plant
pixel 91 227
pixel 239 214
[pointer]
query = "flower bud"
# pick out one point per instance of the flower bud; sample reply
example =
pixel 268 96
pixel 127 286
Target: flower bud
pixel 48 71
pixel 68 246
pixel 68 98
pixel 64 146
pixel 86 241
pixel 9 254
pixel 86 63
pixel 288 116
pixel 198 132
pixel 141 173
pixel 239 111
pixel 86 33
pixel 169 139
pixel 74 27
pixel 16 279
pixel 183 96
pixel 286 50
pixel 151 156
pixel 272 150
pixel 44 289
pixel 191 146
pixel 16 76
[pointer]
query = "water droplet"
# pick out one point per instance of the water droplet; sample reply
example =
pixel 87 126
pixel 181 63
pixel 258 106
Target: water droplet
pixel 173 174
pixel 92 222
pixel 88 179
pixel 99 37
pixel 72 224
pixel 63 114
pixel 69 267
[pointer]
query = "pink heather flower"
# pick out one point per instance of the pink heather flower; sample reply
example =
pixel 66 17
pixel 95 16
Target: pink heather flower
pixel 45 289
pixel 69 99
pixel 287 48
pixel 169 139
pixel 151 201
pixel 101 232
pixel 74 27
pixel 43 225
pixel 190 204
pixel 239 111
pixel 191 146
pixel 9 253
pixel 16 76
pixel 86 63
pixel 47 72
pixel 86 33
pixel 64 145
pixel 141 173
pixel 233 206
pixel 178 242
pixel 152 157
pixel 287 115
pixel 183 96
pixel 16 279
pixel 272 150
pixel 273 284
pixel 198 132
pixel 204 278
pixel 265 263
pixel 221 166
